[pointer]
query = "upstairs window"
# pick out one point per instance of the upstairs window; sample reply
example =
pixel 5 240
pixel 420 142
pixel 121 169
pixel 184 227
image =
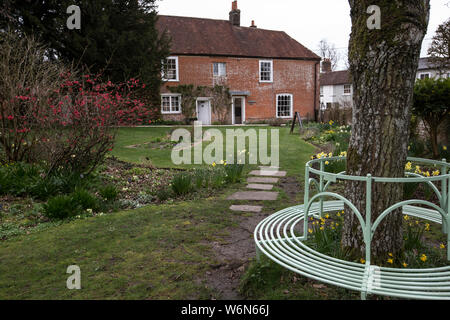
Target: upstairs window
pixel 219 69
pixel 170 104
pixel 170 69
pixel 347 89
pixel 265 71
pixel 284 106
pixel 424 76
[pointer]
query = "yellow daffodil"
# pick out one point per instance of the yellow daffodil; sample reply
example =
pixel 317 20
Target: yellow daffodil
pixel 363 261
pixel 338 214
pixel 408 166
pixel 327 163
pixel 406 217
pixel 390 260
pixel 322 228
pixel 327 216
pixel 310 231
pixel 331 122
pixel 436 173
pixel 423 257
pixel 427 174
pixel 442 246
pixel 390 254
pixel 213 164
pixel 405 264
pixel 427 227
pixel 330 154
pixel 445 148
pixel 418 170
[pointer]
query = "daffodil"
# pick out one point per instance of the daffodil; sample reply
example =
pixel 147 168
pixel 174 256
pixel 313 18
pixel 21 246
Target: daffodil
pixel 408 166
pixel 427 227
pixel 327 216
pixel 442 246
pixel 310 231
pixel 327 162
pixel 213 164
pixel 331 122
pixel 418 170
pixel 423 257
pixel 390 254
pixel 390 260
pixel 444 148
pixel 405 264
pixel 436 173
pixel 363 261
pixel 322 228
pixel 406 217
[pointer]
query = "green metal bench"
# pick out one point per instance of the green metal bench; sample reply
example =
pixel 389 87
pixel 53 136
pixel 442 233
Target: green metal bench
pixel 276 237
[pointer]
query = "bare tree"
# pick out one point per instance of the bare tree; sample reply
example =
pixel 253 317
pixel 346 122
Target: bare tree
pixel 383 65
pixel 439 50
pixel 329 51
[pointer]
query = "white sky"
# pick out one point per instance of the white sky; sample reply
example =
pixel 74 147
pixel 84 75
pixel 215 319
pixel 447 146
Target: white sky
pixel 307 21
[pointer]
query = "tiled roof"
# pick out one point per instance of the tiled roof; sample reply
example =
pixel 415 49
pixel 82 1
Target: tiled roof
pixel 335 78
pixel 198 36
pixel 426 64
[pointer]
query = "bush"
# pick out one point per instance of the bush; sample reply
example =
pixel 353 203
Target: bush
pixel 109 193
pixel 163 193
pixel 85 200
pixel 182 184
pixel 61 207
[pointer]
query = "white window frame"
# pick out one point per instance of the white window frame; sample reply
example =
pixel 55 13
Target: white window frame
pixel 271 71
pixel 424 74
pixel 292 106
pixel 171 104
pixel 349 93
pixel 177 70
pixel 219 69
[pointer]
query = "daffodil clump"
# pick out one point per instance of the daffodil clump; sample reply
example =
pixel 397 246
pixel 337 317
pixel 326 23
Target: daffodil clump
pixel 421 171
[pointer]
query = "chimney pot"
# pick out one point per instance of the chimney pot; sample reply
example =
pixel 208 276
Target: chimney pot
pixel 253 24
pixel 235 15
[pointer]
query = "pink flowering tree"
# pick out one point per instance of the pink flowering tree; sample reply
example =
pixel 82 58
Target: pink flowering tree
pixel 51 115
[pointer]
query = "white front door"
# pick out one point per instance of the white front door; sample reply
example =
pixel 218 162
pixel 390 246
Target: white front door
pixel 204 112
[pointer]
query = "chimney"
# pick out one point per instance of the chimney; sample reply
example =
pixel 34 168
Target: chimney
pixel 235 15
pixel 326 65
pixel 253 24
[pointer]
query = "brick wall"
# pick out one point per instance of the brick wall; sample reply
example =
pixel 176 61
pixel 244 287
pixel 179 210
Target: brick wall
pixel 294 77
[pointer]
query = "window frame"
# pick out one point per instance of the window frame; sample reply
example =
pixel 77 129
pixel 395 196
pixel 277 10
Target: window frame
pixel 426 75
pixel 218 69
pixel 291 111
pixel 349 93
pixel 170 103
pixel 176 71
pixel 271 71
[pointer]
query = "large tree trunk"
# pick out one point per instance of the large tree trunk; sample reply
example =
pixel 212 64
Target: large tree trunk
pixel 383 65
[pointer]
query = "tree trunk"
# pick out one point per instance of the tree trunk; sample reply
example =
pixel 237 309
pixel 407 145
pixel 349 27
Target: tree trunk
pixel 383 65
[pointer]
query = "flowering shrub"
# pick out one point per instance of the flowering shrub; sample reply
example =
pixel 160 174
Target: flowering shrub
pixel 49 114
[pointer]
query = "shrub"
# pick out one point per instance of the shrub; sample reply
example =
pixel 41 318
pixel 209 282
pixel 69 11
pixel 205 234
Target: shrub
pixel 163 193
pixel 61 207
pixel 182 184
pixel 109 192
pixel 85 200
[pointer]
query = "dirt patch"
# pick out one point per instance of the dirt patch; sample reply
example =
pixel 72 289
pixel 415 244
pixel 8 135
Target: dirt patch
pixel 233 254
pixel 291 187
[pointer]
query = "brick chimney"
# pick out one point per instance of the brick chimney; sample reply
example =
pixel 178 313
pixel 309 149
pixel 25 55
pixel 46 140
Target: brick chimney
pixel 326 65
pixel 235 14
pixel 253 24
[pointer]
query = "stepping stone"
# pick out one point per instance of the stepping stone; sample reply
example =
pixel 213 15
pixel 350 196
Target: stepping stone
pixel 262 180
pixel 254 195
pixel 271 168
pixel 244 208
pixel 260 186
pixel 269 173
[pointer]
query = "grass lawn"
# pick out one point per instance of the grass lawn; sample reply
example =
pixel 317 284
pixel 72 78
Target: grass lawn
pixel 155 252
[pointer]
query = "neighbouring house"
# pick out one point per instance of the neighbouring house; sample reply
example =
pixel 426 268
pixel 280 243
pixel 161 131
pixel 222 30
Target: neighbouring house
pixel 269 74
pixel 336 88
pixel 426 70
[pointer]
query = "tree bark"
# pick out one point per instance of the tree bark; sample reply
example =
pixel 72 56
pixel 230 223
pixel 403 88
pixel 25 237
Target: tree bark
pixel 383 66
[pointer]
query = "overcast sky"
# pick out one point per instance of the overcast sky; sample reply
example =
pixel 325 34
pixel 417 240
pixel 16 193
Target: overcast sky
pixel 307 21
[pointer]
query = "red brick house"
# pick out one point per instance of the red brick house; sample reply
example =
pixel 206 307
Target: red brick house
pixel 270 75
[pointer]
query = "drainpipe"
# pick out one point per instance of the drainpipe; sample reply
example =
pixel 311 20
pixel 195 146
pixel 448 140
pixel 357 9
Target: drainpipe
pixel 315 91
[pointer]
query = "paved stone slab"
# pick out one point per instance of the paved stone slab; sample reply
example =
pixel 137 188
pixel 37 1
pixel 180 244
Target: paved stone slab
pixel 244 208
pixel 269 173
pixel 272 168
pixel 254 195
pixel 262 180
pixel 260 186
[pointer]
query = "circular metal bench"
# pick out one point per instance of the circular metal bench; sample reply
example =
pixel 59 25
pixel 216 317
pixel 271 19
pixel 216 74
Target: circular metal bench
pixel 278 238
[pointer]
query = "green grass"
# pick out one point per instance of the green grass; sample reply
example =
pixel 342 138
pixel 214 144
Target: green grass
pixel 155 252
pixel 294 152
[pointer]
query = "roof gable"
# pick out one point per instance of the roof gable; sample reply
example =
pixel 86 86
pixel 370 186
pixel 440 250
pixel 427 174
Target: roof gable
pixel 198 36
pixel 335 78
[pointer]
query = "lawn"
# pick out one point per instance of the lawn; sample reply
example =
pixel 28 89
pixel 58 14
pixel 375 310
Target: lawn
pixel 155 252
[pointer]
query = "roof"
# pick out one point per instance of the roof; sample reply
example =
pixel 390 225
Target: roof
pixel 335 78
pixel 426 64
pixel 199 36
